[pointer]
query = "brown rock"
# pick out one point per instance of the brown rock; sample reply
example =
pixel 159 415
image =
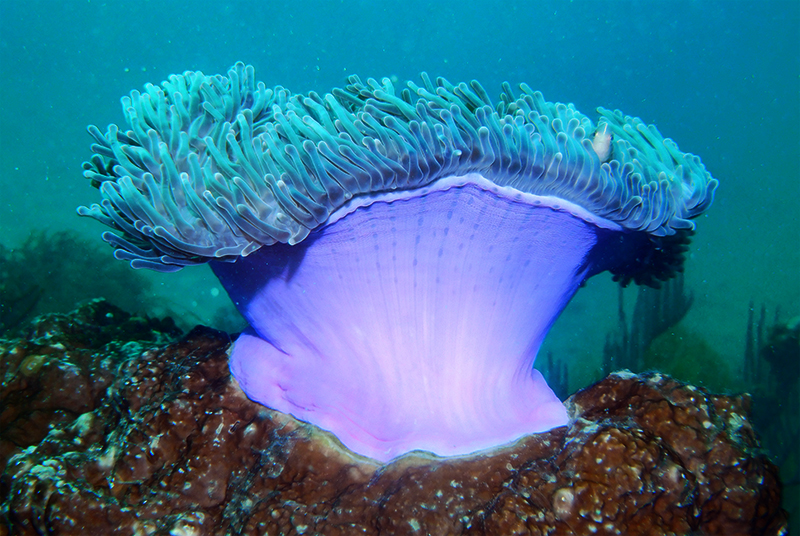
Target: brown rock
pixel 163 441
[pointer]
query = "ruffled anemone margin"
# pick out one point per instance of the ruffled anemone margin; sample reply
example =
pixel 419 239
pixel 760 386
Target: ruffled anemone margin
pixel 400 254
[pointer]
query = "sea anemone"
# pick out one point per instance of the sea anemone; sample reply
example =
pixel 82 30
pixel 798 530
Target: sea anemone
pixel 399 253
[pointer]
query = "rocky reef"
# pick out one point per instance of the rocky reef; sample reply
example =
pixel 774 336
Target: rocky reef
pixel 107 428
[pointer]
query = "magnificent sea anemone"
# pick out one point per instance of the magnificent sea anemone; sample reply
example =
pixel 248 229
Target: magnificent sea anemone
pixel 400 254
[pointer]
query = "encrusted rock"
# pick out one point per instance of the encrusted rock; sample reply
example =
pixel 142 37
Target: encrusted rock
pixel 63 367
pixel 162 441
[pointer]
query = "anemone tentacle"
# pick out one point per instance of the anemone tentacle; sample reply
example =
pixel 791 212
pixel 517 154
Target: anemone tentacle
pixel 215 167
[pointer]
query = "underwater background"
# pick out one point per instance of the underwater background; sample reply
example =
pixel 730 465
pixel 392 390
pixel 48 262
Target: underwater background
pixel 720 78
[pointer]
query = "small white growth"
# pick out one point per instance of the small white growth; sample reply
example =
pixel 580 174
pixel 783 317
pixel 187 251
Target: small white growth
pixel 188 525
pixel 563 501
pixel 108 459
pixel 601 142
pixel 83 424
pixel 736 422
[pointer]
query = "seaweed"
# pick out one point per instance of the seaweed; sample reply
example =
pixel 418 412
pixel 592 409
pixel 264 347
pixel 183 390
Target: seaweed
pixel 52 272
pixel 771 369
pixel 556 373
pixel 656 311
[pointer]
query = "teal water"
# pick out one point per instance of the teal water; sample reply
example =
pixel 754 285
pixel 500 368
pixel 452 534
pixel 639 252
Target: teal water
pixel 721 78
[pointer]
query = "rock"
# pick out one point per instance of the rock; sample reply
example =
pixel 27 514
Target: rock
pixel 112 436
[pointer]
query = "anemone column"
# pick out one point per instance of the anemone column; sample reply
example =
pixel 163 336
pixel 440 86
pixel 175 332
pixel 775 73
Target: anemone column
pixel 412 320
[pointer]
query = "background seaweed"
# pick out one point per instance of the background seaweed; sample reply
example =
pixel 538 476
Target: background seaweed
pixel 51 272
pixel 772 372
